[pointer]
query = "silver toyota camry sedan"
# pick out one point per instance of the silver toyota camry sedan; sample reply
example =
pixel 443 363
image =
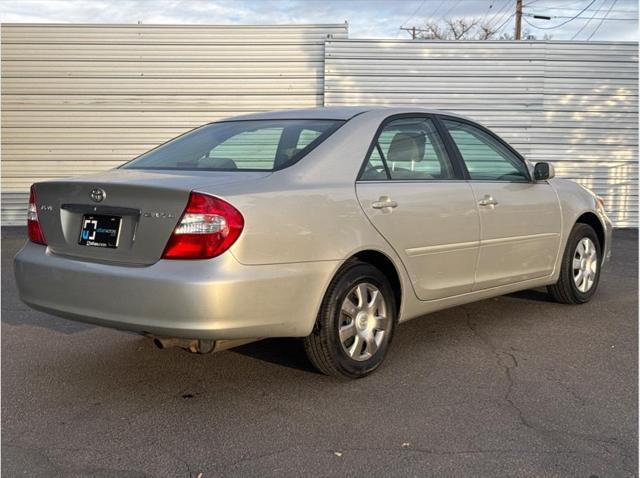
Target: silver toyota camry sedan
pixel 329 224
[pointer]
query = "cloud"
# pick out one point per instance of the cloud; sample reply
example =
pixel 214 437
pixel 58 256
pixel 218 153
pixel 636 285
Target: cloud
pixel 366 18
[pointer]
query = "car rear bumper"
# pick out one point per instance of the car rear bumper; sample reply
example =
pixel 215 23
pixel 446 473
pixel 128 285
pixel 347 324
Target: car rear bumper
pixel 209 299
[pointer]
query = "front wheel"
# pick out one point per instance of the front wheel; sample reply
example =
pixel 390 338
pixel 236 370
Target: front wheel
pixel 355 324
pixel 580 268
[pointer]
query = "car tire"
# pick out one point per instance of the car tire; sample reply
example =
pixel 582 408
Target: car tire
pixel 580 267
pixel 355 323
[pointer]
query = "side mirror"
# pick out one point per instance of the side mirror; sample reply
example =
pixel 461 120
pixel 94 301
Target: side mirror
pixel 543 171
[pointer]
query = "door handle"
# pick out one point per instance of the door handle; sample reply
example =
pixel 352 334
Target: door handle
pixel 487 200
pixel 384 202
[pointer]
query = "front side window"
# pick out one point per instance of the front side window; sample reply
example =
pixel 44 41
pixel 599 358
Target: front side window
pixel 263 145
pixel 408 149
pixel 485 157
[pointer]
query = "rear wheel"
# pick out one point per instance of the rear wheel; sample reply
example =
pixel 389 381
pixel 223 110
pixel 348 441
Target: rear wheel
pixel 355 324
pixel 580 269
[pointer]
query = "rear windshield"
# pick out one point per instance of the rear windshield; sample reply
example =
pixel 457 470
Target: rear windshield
pixel 263 145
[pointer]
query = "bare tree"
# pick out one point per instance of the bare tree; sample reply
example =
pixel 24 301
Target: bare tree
pixel 466 29
pixel 526 35
pixel 456 29
pixel 485 32
pixel 461 27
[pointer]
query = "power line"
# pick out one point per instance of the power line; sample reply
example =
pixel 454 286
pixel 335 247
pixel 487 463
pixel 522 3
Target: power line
pixel 454 5
pixel 503 11
pixel 504 23
pixel 597 10
pixel 560 17
pixel 484 17
pixel 602 21
pixel 433 14
pixel 587 22
pixel 413 14
pixel 413 30
pixel 563 23
pixel 502 17
pixel 564 7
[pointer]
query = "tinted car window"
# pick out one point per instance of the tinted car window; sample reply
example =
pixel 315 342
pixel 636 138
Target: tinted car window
pixel 408 148
pixel 485 157
pixel 239 145
pixel 375 168
pixel 254 149
pixel 307 136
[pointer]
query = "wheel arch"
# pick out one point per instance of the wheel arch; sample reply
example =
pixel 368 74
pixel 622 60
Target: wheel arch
pixel 591 219
pixel 384 264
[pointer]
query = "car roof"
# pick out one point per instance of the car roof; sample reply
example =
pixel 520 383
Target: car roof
pixel 334 113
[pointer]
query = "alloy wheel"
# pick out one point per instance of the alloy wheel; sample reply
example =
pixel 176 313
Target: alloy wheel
pixel 585 264
pixel 363 321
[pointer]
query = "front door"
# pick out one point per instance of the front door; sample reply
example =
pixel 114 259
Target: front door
pixel 417 199
pixel 520 218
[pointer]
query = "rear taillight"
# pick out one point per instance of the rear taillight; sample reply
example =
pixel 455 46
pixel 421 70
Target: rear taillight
pixel 33 224
pixel 208 227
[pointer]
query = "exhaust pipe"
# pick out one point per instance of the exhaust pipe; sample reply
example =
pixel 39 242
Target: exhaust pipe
pixel 199 346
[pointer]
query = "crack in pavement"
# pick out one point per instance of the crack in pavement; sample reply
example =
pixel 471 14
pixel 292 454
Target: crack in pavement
pixel 554 434
pixel 548 374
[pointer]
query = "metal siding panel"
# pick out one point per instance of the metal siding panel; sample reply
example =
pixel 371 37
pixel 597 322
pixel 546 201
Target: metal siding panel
pixel 573 103
pixel 608 96
pixel 84 98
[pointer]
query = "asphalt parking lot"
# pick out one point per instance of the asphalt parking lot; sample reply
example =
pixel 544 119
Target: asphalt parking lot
pixel 513 386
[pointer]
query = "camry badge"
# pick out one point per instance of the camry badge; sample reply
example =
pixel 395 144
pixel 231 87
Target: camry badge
pixel 98 195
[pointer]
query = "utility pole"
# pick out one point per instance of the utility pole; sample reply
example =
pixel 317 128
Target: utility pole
pixel 518 19
pixel 413 31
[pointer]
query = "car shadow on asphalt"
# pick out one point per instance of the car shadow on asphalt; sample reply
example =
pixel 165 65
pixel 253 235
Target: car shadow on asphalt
pixel 287 352
pixel 537 295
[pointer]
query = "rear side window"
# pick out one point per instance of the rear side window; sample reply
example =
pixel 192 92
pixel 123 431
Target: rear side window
pixel 485 157
pixel 262 145
pixel 408 149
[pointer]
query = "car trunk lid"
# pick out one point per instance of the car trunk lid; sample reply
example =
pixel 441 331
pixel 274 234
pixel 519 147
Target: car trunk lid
pixel 144 206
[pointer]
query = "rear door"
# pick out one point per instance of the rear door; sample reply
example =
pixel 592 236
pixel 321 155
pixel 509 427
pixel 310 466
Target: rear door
pixel 416 197
pixel 520 218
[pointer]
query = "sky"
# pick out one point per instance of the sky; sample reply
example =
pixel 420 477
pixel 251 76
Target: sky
pixel 596 20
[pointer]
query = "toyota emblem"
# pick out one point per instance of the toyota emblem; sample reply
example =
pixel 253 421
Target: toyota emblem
pixel 98 195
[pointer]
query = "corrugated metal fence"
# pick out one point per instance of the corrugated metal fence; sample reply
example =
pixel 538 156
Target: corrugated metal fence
pixel 575 104
pixel 84 98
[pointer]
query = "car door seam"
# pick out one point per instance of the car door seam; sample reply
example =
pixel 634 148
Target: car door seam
pixel 404 266
pixel 480 235
pixel 560 242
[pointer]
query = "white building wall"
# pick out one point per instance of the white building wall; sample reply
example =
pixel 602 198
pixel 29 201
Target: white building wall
pixel 572 103
pixel 83 98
